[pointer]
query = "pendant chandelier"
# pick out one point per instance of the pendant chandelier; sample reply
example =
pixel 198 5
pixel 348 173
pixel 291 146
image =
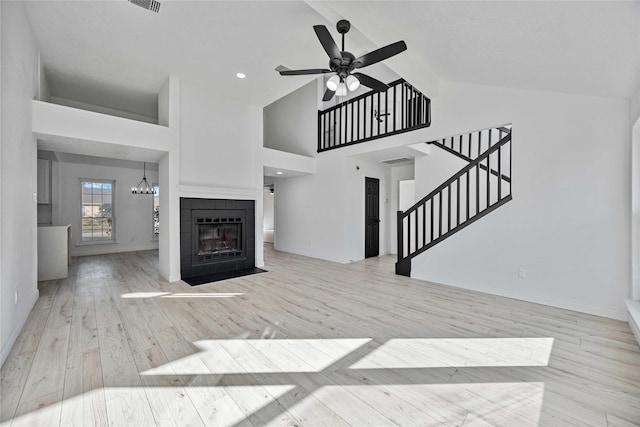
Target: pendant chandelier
pixel 143 186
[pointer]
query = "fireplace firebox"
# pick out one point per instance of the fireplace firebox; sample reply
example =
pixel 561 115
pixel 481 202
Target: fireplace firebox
pixel 216 236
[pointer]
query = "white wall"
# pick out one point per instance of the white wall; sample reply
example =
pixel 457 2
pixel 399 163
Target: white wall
pixel 398 173
pixel 291 123
pixel 220 154
pixel 218 144
pixel 635 212
pixel 568 225
pixel 434 169
pixel 322 215
pixel 354 216
pixel 309 212
pixel 18 263
pixel 91 133
pixel 634 120
pixel 102 110
pixel 169 171
pixel 132 212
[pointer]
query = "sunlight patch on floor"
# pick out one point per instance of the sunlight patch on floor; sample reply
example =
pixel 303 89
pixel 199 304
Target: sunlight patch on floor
pixel 204 295
pixel 241 356
pixel 481 404
pixel 143 294
pixel 458 352
pixel 181 295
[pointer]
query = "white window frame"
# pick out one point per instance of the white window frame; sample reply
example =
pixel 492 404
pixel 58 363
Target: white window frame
pixel 81 240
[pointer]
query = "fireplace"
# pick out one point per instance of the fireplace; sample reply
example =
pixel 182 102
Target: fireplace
pixel 216 236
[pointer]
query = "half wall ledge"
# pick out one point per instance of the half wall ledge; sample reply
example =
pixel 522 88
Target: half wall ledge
pixel 634 317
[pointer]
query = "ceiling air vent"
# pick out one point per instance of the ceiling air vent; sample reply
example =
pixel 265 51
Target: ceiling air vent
pixel 394 161
pixel 152 5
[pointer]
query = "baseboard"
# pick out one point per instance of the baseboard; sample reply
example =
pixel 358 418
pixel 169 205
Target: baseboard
pixel 6 349
pixel 634 317
pixel 553 302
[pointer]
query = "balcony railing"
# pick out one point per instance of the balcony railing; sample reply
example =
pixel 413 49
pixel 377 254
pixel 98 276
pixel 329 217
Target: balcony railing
pixel 372 115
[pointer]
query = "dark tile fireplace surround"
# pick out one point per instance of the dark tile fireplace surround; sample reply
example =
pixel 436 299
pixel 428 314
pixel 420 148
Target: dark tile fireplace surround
pixel 216 236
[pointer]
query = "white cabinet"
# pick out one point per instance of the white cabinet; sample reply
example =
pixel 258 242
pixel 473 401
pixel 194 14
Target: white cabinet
pixel 53 252
pixel 44 181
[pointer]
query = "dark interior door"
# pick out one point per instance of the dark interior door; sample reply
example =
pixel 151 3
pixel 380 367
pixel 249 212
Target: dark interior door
pixel 372 217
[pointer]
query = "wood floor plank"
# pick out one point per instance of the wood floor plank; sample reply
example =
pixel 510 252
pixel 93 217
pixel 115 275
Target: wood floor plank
pixel 169 401
pixel 44 410
pixel 14 377
pixel 47 373
pixel 126 401
pixel 309 343
pixel 84 328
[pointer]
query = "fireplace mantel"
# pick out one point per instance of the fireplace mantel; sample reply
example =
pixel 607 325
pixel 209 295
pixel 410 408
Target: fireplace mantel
pixel 219 192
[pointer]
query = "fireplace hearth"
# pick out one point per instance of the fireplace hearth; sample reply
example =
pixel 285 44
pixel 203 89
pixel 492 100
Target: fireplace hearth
pixel 216 236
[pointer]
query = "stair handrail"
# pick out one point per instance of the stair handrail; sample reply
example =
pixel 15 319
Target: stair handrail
pixel 423 202
pixel 458 174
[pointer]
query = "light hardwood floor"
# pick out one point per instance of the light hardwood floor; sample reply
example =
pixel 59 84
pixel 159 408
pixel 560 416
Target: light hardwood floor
pixel 310 343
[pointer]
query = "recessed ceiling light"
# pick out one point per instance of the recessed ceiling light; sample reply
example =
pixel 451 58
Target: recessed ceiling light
pixel 279 173
pixel 241 75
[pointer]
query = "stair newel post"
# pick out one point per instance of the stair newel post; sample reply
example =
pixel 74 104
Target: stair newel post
pixel 400 237
pixel 403 266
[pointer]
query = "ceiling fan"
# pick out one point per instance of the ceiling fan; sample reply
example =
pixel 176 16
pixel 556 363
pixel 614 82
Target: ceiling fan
pixel 343 63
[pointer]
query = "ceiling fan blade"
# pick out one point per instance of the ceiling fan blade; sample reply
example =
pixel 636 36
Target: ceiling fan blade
pixel 328 94
pixel 380 54
pixel 327 42
pixel 369 81
pixel 287 72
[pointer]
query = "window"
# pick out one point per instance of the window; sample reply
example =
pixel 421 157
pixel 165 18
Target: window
pixel 156 212
pixel 97 211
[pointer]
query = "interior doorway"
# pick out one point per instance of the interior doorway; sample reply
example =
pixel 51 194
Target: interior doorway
pixel 268 218
pixel 372 217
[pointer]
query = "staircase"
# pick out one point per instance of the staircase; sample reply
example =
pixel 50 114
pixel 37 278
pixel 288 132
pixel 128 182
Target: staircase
pixel 480 187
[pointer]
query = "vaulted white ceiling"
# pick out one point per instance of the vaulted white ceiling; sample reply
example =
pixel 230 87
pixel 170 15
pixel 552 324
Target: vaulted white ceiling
pixel 118 55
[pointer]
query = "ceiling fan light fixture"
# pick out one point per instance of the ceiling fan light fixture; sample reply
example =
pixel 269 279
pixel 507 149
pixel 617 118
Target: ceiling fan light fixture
pixel 343 63
pixel 342 89
pixel 352 82
pixel 333 82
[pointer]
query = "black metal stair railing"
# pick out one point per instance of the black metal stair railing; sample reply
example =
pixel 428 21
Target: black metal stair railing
pixel 477 189
pixel 372 115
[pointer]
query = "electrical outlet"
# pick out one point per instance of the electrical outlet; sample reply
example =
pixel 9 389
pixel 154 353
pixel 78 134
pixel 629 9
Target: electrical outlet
pixel 522 273
pixel 15 298
pixel 35 197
